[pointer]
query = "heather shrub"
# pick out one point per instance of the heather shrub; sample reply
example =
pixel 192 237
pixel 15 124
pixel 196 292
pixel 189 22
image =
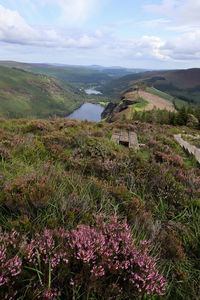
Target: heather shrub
pixel 105 167
pixel 37 126
pixel 57 151
pixel 4 153
pixel 134 208
pixel 22 193
pixel 120 193
pixel 100 259
pixel 98 133
pixel 11 142
pixel 71 123
pixel 97 149
pixel 157 181
pixel 2 180
pixel 163 185
pixel 3 120
pixel 57 138
pixel 10 264
pixel 171 246
pixel 175 160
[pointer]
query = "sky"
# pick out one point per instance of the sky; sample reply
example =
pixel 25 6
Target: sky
pixel 150 34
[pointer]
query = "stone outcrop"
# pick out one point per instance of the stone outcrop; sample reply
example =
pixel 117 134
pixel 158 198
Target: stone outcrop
pixel 128 139
pixel 108 110
pixel 189 148
pixel 113 109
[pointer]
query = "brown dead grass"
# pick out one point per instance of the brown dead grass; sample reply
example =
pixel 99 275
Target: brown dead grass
pixel 156 102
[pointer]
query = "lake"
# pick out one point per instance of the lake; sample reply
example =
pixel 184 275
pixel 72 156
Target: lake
pixel 94 92
pixel 88 111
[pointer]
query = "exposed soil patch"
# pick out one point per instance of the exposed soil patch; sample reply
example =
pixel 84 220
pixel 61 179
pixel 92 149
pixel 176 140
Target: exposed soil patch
pixel 156 101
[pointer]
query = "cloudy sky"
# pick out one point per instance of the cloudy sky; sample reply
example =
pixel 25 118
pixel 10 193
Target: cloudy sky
pixel 133 33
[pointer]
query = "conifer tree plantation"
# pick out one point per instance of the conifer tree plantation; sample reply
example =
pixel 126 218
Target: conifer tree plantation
pixel 85 218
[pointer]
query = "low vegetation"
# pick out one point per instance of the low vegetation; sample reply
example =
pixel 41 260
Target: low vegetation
pixel 84 218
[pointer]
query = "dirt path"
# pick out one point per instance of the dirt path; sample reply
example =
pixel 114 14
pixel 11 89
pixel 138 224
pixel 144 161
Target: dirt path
pixel 156 101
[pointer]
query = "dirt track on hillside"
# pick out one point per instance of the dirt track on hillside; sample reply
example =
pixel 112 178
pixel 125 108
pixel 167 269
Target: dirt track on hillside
pixel 156 101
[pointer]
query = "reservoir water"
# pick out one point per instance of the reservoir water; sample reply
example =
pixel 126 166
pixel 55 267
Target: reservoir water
pixel 88 111
pixel 94 92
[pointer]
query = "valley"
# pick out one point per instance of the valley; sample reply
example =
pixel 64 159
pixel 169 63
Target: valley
pixel 100 150
pixel 107 207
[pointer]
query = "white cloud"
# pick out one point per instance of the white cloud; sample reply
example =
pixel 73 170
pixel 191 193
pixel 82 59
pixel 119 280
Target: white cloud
pixel 185 47
pixel 154 44
pixel 183 18
pixel 184 13
pixel 166 7
pixel 14 30
pixel 74 11
pixel 189 13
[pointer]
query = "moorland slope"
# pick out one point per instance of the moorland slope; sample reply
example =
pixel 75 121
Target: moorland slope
pixel 55 175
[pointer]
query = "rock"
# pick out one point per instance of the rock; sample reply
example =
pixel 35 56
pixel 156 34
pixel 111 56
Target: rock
pixel 127 139
pixel 112 109
pixel 108 110
pixel 189 148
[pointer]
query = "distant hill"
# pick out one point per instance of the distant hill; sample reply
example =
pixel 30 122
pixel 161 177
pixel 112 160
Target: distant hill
pixel 183 84
pixel 79 76
pixel 30 95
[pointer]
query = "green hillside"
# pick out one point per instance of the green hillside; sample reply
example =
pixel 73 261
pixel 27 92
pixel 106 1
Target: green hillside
pixel 116 86
pixel 25 94
pixel 181 84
